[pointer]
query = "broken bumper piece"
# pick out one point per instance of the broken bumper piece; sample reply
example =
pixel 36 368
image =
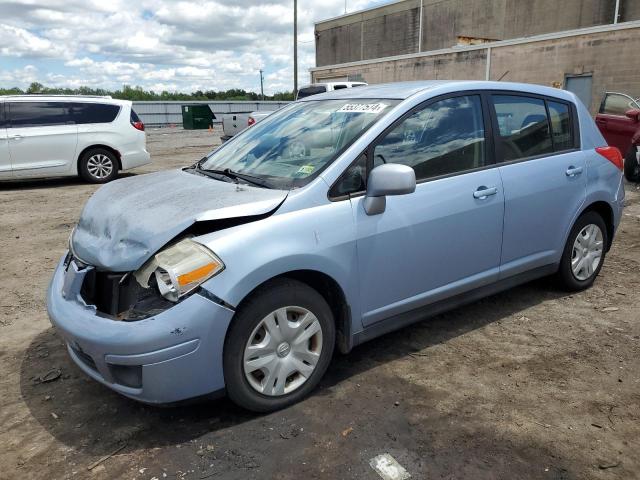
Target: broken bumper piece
pixel 172 356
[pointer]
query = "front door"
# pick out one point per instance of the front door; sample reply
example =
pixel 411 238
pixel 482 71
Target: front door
pixel 42 138
pixel 544 177
pixel 615 126
pixel 445 238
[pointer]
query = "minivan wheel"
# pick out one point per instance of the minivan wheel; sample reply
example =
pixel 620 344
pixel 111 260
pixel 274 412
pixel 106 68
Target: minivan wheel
pixel 631 166
pixel 584 252
pixel 278 346
pixel 98 166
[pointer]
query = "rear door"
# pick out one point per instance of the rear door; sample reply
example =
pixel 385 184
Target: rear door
pixel 617 128
pixel 5 159
pixel 444 238
pixel 543 174
pixel 42 138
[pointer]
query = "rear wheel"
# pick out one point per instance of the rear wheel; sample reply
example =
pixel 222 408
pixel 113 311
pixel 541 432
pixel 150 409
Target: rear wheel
pixel 631 166
pixel 98 165
pixel 278 346
pixel 584 252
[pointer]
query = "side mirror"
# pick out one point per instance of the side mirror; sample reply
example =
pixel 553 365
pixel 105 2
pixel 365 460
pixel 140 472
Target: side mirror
pixel 633 114
pixel 388 179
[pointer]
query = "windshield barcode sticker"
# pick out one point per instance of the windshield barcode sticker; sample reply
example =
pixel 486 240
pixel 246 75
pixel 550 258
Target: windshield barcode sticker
pixel 363 108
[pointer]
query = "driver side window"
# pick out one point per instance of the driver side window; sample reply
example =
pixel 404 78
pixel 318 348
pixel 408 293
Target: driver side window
pixel 442 138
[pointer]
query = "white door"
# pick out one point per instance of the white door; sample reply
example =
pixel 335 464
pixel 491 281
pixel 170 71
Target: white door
pixel 5 159
pixel 42 138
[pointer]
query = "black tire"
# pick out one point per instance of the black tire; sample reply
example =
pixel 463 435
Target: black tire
pixel 631 167
pixel 566 277
pixel 276 294
pixel 90 173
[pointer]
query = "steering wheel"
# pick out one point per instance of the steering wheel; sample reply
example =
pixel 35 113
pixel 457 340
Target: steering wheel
pixel 380 156
pixel 297 149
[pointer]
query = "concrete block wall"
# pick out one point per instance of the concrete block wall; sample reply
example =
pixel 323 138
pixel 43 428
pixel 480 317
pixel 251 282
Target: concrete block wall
pixel 610 57
pixel 394 29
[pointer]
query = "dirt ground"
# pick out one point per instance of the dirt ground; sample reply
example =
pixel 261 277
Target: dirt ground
pixel 533 383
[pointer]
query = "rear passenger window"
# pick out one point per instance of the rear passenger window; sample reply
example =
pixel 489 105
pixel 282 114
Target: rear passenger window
pixel 442 138
pixel 83 113
pixel 38 114
pixel 560 126
pixel 523 126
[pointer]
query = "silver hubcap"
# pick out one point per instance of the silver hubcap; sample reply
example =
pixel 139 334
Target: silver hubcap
pixel 587 252
pixel 99 166
pixel 283 351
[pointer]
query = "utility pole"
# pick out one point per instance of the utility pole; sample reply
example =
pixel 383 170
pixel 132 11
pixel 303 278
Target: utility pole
pixel 261 86
pixel 295 47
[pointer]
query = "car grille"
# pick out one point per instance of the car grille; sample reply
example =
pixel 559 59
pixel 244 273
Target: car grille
pixel 120 296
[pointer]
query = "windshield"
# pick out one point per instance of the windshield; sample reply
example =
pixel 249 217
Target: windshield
pixel 292 146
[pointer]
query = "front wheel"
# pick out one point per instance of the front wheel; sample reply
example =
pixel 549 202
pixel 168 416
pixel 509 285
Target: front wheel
pixel 278 347
pixel 631 166
pixel 98 166
pixel 584 252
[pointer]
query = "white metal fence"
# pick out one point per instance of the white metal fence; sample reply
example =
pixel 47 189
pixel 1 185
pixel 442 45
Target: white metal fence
pixel 170 113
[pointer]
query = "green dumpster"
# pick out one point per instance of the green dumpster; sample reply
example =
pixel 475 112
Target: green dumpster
pixel 197 117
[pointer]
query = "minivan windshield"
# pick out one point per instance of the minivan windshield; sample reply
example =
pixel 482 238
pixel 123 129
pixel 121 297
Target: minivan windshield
pixel 292 146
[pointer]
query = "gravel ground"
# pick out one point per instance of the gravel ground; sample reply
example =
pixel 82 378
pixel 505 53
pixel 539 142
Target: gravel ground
pixel 532 383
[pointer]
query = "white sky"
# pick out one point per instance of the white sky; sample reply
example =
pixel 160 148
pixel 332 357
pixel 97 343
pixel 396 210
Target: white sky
pixel 160 44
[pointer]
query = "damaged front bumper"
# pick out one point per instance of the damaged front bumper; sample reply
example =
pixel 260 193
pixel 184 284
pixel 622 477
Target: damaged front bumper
pixel 171 356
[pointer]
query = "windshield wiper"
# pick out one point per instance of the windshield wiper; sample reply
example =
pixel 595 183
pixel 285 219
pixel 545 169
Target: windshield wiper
pixel 227 172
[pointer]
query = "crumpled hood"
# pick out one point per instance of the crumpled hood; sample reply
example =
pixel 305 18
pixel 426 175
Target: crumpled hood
pixel 128 220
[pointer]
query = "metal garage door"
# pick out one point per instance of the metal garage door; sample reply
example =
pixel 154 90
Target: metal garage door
pixel 581 86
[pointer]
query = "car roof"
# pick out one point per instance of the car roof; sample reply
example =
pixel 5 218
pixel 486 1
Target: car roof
pixel 404 90
pixel 62 98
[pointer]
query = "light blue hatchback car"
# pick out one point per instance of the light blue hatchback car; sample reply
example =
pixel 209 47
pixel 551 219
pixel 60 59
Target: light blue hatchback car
pixel 336 219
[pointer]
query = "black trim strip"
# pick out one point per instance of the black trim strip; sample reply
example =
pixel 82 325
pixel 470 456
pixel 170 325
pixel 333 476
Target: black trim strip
pixel 404 319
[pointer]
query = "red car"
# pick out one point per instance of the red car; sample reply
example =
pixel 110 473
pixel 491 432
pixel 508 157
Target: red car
pixel 619 122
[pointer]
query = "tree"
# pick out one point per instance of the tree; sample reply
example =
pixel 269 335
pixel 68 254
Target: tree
pixel 35 87
pixel 137 93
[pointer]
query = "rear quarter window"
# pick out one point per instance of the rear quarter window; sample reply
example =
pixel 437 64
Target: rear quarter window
pixel 133 117
pixel 561 126
pixel 83 113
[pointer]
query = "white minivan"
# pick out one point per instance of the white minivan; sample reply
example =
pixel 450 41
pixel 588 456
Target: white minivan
pixel 51 136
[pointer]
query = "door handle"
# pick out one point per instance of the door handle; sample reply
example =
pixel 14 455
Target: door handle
pixel 15 137
pixel 483 192
pixel 573 171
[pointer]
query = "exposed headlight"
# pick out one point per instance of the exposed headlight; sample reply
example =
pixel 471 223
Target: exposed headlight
pixel 180 268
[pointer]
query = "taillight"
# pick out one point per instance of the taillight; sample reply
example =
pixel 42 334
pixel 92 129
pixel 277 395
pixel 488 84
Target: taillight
pixel 613 155
pixel 138 125
pixel 251 121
